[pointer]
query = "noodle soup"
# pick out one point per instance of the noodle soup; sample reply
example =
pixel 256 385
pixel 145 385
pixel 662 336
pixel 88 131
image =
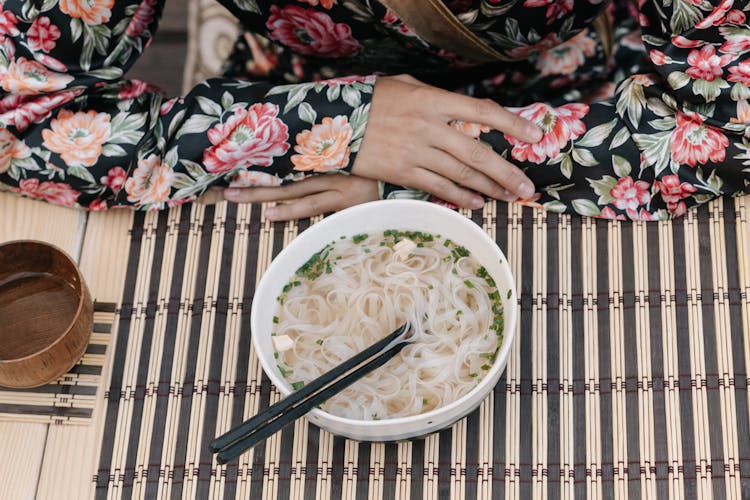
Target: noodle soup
pixel 357 289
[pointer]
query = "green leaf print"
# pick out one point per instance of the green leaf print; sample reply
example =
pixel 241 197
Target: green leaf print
pixel 209 106
pixel 709 90
pixel 358 121
pixel 248 5
pixel 333 93
pixel 81 172
pixel 631 102
pixel 307 113
pixel 586 207
pixel 620 137
pixel 296 96
pixel 196 124
pixel 739 92
pixel 555 206
pixel 584 157
pixel 125 128
pixel 656 149
pixel 684 16
pixel 678 79
pixel 621 166
pixel 227 100
pixel 351 96
pixel 603 188
pixel 596 135
pixel 113 150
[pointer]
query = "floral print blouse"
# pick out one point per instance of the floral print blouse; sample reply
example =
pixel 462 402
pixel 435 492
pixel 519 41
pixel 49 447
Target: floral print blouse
pixel 644 132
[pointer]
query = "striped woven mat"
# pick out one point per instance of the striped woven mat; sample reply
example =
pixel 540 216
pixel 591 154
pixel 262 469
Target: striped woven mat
pixel 627 379
pixel 71 399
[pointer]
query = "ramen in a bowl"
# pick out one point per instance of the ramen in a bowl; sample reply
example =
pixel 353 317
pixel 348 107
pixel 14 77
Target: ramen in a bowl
pixel 358 289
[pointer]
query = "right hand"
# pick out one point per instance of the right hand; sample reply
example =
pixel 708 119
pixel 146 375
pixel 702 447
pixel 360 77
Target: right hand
pixel 409 142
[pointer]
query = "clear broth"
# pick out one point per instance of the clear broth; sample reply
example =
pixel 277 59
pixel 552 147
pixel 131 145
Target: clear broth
pixel 35 309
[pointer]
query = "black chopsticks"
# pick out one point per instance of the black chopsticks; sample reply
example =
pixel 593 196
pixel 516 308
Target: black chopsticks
pixel 275 417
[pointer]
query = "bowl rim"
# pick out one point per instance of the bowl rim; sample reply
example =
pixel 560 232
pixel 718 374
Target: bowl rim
pixel 80 291
pixel 509 327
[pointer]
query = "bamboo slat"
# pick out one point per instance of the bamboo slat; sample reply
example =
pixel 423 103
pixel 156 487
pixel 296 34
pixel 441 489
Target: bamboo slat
pixel 22 444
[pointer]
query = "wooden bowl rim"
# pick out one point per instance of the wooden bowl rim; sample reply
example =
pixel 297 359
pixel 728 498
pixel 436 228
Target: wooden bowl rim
pixel 80 290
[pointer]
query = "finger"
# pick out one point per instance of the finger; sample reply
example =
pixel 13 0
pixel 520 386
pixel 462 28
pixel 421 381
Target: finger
pixel 487 112
pixel 444 188
pixel 482 158
pixel 307 206
pixel 448 166
pixel 262 194
pixel 211 197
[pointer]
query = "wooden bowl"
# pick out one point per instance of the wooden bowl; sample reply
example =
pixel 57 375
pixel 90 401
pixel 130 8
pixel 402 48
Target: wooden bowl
pixel 46 314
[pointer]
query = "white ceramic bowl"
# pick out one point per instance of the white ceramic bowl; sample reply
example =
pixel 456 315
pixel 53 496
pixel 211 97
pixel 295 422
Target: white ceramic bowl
pixel 368 218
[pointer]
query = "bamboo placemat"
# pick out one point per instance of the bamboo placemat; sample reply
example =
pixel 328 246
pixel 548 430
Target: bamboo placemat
pixel 72 397
pixel 627 379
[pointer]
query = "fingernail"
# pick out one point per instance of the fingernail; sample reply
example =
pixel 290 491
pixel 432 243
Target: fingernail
pixel 272 212
pixel 231 192
pixel 477 202
pixel 535 133
pixel 526 190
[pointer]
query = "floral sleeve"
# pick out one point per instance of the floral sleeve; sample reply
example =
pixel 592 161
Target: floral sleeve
pixel 73 132
pixel 671 137
pixel 667 140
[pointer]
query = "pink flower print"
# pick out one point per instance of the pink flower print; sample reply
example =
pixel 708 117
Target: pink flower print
pixel 555 8
pixel 114 179
pixel 716 17
pixel 630 194
pixel 20 111
pixel 59 194
pixel 42 34
pixel 735 16
pixel 685 43
pixel 568 56
pixel 560 125
pixel 705 64
pixel 608 213
pixel 734 43
pixel 740 73
pixel 673 191
pixel 8 22
pixel 659 58
pixel 142 17
pixel 311 32
pixel 249 137
pixel 134 88
pixel 693 142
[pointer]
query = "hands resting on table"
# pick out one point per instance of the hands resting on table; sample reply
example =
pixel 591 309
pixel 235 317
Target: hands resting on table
pixel 410 142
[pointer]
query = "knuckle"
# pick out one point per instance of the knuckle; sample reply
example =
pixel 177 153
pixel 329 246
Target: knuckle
pixel 464 174
pixel 441 187
pixel 417 126
pixel 479 153
pixel 517 123
pixel 484 108
pixel 314 206
pixel 516 175
pixel 422 94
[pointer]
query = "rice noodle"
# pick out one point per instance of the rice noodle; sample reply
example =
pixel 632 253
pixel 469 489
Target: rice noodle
pixel 357 290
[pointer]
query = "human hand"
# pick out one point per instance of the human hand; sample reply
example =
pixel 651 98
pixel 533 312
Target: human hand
pixel 306 198
pixel 409 142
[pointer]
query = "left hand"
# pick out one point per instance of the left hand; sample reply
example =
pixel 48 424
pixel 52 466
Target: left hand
pixel 313 196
